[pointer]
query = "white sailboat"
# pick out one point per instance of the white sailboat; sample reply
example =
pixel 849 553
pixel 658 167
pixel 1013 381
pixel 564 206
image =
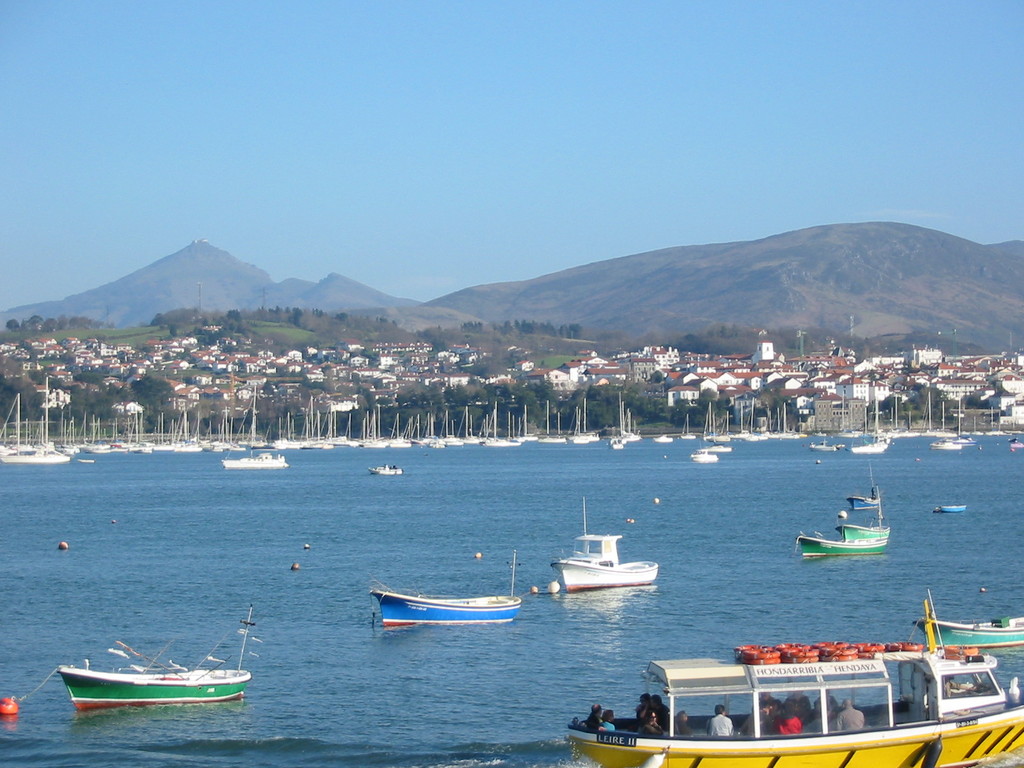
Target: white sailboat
pixel 879 444
pixel 44 453
pixel 265 460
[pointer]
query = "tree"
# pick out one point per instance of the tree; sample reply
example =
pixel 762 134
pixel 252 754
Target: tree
pixel 13 325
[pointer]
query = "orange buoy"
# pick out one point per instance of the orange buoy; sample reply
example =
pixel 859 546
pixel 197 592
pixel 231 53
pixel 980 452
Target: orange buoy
pixel 295 566
pixel 62 546
pixel 8 706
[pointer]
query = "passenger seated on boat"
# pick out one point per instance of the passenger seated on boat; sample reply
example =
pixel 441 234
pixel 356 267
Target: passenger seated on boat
pixel 682 724
pixel 720 724
pixel 659 708
pixel 607 721
pixel 593 720
pixel 651 727
pixel 767 712
pixel 801 706
pixel 849 718
pixel 814 723
pixel 788 722
pixel 641 711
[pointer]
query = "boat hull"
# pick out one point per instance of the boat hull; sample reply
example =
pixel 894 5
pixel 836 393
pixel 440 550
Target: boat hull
pixel 862 503
pixel 258 462
pixel 96 690
pixel 964 742
pixel 399 610
pixel 575 577
pixel 812 546
pixel 978 635
pixel 43 458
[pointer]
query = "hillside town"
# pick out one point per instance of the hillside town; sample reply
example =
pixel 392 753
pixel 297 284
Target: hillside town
pixel 760 391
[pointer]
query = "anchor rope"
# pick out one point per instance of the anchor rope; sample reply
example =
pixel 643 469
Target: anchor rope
pixel 45 681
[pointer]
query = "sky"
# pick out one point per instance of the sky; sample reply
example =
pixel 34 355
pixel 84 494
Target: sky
pixel 423 147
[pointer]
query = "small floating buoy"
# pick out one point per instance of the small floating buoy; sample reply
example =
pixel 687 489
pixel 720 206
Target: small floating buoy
pixel 657 500
pixel 554 587
pixel 305 546
pixel 534 590
pixel 8 707
pixel 630 520
pixel 478 555
pixel 113 522
pixel 817 461
pixel 983 590
pixel 295 566
pixel 62 546
pixel 916 459
pixel 842 514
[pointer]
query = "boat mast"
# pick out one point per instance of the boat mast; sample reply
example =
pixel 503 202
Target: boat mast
pixel 512 590
pixel 246 623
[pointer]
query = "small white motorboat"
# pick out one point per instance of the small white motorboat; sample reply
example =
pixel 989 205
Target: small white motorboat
pixel 594 564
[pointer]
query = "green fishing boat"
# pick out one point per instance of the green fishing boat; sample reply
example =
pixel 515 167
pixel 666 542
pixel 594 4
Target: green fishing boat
pixel 154 682
pixel 1002 632
pixel 871 539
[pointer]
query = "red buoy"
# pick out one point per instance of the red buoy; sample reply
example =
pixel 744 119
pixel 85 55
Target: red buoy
pixel 8 706
pixel 62 546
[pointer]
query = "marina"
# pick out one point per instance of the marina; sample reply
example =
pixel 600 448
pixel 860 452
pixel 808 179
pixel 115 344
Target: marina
pixel 166 545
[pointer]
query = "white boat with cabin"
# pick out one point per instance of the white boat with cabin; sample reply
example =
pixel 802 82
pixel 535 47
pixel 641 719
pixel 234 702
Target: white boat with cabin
pixel 257 461
pixel 594 564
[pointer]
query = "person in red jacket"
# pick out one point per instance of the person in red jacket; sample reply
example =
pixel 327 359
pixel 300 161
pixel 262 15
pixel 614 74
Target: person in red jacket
pixel 788 721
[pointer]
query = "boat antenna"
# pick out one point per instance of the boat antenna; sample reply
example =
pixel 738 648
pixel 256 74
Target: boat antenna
pixel 246 623
pixel 512 591
pixel 584 515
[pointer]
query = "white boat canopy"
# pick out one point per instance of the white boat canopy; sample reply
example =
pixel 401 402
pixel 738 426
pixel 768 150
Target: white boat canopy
pixel 707 677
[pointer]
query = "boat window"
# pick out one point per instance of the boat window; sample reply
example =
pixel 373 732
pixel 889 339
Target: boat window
pixel 700 709
pixel 872 703
pixel 968 684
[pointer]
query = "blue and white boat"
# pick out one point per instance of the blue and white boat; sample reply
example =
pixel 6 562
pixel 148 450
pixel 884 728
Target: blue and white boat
pixel 867 503
pixel 399 610
pixel 951 508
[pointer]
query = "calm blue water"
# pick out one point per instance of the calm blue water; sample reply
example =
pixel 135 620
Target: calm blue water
pixel 193 545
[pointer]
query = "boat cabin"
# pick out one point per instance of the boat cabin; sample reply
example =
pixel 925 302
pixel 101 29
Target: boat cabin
pixel 925 687
pixel 598 549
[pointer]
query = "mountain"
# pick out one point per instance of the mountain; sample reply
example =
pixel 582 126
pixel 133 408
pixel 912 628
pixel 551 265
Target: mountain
pixel 884 278
pixel 888 278
pixel 200 275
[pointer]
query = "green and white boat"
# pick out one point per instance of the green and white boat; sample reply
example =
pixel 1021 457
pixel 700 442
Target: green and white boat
pixel 1004 632
pixel 871 539
pixel 154 682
